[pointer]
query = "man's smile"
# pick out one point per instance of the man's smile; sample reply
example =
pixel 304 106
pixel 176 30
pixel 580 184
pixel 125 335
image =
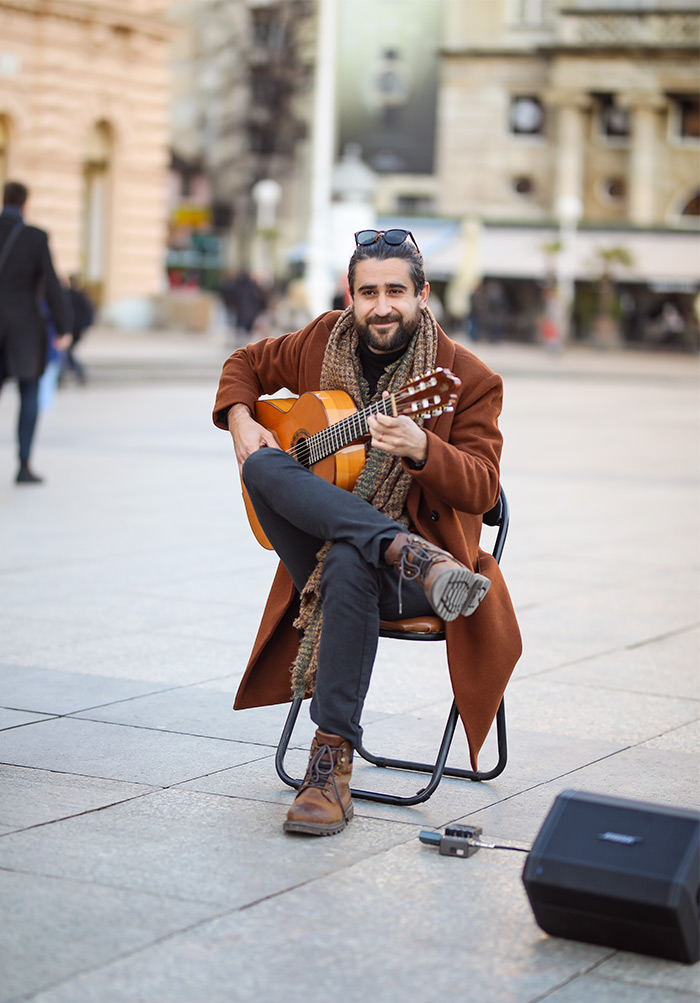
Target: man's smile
pixel 383 322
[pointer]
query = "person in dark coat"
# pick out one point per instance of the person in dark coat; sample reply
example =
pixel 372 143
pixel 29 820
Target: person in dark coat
pixel 26 276
pixel 244 301
pixel 403 543
pixel 82 316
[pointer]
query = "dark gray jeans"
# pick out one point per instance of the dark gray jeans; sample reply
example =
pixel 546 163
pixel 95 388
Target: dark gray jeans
pixel 299 511
pixel 28 414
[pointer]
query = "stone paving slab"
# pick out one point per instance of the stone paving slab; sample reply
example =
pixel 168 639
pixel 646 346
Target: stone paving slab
pixel 47 691
pixel 685 739
pixel 79 925
pixel 647 671
pixel 591 987
pixel 15 718
pixel 569 710
pixel 139 755
pixel 146 656
pixel 225 852
pixel 34 797
pixel 643 774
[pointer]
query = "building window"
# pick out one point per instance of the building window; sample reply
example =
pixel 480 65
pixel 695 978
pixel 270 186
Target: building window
pixel 261 139
pixel 613 190
pixel 97 210
pixel 613 121
pixel 415 205
pixel 527 11
pixel 686 116
pixel 268 33
pixel 522 185
pixel 526 117
pixel 264 89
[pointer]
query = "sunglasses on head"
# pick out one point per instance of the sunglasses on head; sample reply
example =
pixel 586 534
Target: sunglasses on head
pixel 363 238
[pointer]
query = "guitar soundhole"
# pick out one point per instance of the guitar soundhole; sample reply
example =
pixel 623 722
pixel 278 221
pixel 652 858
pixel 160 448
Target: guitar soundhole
pixel 300 447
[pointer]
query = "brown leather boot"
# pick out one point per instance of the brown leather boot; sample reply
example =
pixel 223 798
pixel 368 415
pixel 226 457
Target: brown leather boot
pixel 451 588
pixel 323 805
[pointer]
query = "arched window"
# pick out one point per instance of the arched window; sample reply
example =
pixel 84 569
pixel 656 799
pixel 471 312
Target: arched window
pixel 97 164
pixel 692 206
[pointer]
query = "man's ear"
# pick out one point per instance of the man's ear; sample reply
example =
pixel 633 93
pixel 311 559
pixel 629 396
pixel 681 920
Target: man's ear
pixel 423 296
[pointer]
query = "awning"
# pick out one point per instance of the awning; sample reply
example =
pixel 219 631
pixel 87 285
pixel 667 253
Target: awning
pixel 518 251
pixel 470 248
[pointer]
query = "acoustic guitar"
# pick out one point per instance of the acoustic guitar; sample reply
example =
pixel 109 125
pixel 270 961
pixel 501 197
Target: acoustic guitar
pixel 324 430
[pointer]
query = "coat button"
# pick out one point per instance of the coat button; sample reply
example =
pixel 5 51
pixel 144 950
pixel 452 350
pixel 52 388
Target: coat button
pixel 434 515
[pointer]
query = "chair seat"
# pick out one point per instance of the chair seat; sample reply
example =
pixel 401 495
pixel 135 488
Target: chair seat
pixel 430 628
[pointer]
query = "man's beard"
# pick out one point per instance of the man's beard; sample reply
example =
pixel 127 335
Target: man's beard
pixel 399 339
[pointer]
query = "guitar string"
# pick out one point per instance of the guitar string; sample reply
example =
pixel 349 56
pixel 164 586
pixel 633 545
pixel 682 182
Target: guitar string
pixel 314 448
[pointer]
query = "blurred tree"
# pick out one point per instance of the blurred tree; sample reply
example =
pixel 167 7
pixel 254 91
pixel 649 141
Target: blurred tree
pixel 606 323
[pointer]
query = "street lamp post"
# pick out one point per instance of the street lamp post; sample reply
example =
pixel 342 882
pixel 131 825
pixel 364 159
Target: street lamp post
pixel 266 195
pixel 569 211
pixel 319 280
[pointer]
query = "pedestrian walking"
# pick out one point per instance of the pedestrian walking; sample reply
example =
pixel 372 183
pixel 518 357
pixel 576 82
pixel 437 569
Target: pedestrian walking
pixel 82 317
pixel 244 301
pixel 26 274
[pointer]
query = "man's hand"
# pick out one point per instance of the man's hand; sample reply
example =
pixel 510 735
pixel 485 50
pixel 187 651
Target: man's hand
pixel 398 436
pixel 247 434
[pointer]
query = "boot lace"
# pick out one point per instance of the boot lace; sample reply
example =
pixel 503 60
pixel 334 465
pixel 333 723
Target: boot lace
pixel 420 564
pixel 321 772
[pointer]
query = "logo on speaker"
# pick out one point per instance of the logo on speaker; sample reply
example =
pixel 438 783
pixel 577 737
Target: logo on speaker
pixel 619 837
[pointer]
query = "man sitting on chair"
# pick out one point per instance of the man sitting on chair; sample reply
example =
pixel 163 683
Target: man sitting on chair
pixel 403 543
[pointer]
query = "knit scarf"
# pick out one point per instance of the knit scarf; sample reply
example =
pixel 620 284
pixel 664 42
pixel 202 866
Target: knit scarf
pixel 382 482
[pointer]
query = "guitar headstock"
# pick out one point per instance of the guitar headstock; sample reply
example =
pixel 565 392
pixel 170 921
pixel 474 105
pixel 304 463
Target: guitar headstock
pixel 428 395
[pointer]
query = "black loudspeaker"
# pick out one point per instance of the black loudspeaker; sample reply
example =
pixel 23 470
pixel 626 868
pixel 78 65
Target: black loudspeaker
pixel 620 873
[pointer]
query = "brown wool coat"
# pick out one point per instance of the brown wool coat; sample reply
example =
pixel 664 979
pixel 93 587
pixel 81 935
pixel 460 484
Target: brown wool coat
pixel 460 481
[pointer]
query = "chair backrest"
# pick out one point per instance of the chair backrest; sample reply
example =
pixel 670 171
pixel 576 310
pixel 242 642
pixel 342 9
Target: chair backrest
pixel 499 516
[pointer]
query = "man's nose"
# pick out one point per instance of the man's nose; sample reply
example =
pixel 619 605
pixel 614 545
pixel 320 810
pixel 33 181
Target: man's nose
pixel 382 306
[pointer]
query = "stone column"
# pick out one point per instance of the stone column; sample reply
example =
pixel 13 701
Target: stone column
pixel 570 144
pixel 568 195
pixel 644 108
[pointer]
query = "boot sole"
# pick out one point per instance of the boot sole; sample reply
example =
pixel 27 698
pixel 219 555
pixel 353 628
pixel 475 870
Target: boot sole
pixel 457 593
pixel 316 828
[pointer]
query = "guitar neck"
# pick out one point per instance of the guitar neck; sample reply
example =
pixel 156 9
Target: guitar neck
pixel 330 440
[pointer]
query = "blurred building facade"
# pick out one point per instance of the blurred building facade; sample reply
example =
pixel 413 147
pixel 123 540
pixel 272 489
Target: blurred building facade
pixel 572 130
pixel 242 75
pixel 526 143
pixel 84 122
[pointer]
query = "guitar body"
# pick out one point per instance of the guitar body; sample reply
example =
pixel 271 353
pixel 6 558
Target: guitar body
pixel 294 419
pixel 325 432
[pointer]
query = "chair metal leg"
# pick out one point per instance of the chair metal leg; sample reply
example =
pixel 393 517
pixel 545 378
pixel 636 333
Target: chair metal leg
pixel 438 769
pixel 284 743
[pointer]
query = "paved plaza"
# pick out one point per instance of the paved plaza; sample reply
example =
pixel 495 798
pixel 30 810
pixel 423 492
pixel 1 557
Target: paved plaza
pixel 142 858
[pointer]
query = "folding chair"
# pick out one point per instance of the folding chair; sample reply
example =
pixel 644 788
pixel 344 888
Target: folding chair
pixel 429 628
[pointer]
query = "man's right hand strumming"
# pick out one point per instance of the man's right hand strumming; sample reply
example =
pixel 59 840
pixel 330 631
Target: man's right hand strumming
pixel 248 436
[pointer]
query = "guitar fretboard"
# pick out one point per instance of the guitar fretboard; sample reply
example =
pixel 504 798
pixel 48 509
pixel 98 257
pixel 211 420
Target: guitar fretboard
pixel 329 440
